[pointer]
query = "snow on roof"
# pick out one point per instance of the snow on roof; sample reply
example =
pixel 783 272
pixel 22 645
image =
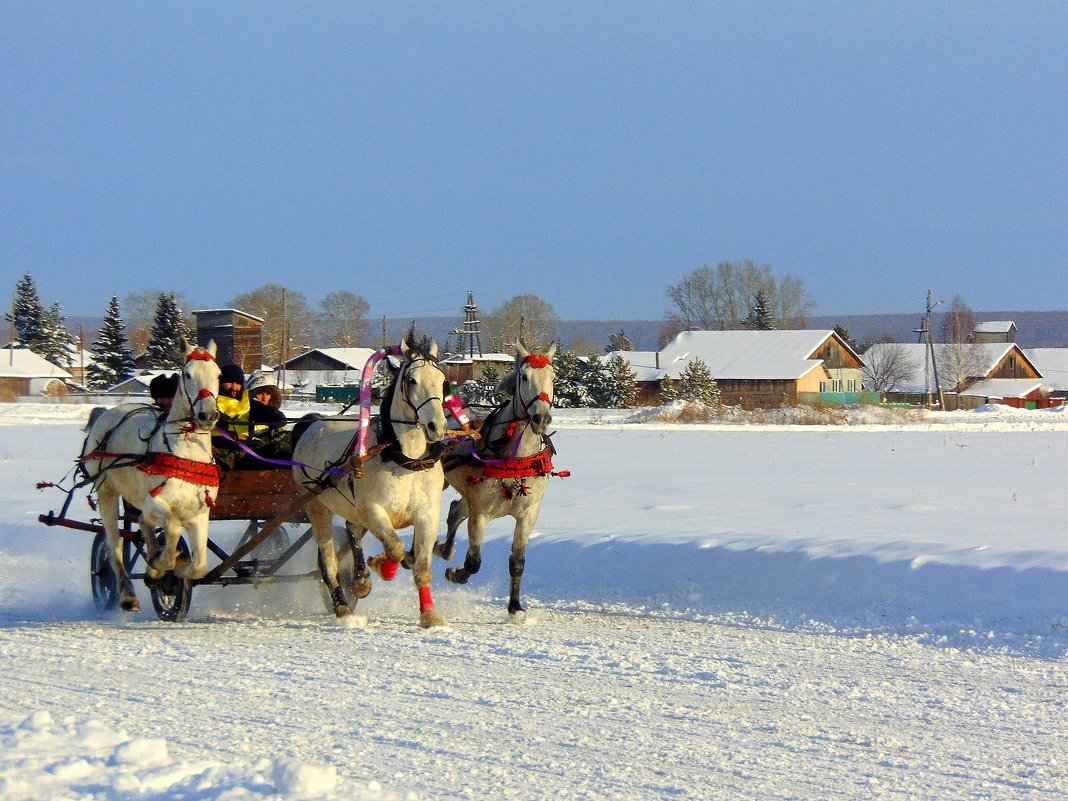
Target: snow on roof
pixel 1003 387
pixel 1052 363
pixel 642 363
pixel 464 358
pixel 353 358
pixel 24 363
pixel 994 326
pixel 767 355
pixel 992 353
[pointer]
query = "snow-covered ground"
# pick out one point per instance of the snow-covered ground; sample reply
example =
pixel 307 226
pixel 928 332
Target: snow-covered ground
pixel 871 611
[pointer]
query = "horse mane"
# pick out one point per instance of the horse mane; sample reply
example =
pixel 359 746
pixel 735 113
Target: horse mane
pixel 94 414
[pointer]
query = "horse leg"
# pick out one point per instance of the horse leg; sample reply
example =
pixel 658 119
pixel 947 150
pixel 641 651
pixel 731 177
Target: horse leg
pixel 422 545
pixel 322 523
pixel 197 531
pixel 380 525
pixel 476 526
pixel 361 576
pixel 108 504
pixel 517 560
pixel 446 549
pixel 148 537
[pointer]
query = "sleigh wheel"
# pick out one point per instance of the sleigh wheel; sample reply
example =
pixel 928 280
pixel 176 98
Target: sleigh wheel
pixel 102 579
pixel 171 594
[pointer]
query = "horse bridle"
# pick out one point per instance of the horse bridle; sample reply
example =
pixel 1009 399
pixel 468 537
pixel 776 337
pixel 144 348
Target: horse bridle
pixel 537 361
pixel 202 355
pixel 404 391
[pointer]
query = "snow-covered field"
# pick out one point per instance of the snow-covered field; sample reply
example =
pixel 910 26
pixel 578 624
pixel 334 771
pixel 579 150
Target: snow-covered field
pixel 715 612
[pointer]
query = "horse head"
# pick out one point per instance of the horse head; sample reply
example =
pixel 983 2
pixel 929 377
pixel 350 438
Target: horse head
pixel 534 379
pixel 198 387
pixel 420 385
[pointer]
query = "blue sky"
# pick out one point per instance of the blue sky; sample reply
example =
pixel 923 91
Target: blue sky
pixel 590 153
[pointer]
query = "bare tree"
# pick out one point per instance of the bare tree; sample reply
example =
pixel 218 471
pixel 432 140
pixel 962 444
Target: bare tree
pixel 524 317
pixel 959 323
pixel 342 318
pixel 288 321
pixel 886 366
pixel 721 298
pixel 960 362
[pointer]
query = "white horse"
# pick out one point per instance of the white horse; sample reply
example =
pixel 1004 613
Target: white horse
pixel 163 467
pixel 398 485
pixel 507 472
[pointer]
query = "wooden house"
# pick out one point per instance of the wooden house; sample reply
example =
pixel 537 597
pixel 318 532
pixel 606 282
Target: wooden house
pixel 1006 373
pixel 238 336
pixel 24 373
pixel 322 367
pixel 995 331
pixel 757 368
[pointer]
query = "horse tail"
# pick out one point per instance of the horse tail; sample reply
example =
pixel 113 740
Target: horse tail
pixel 303 424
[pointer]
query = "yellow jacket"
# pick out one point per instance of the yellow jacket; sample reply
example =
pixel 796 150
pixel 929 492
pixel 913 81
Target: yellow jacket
pixel 237 409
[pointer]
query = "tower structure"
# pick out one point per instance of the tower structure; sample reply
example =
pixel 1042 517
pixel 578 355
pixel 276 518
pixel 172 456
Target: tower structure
pixel 469 334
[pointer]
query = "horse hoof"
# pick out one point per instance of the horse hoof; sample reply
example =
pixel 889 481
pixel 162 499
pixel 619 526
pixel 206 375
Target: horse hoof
pixel 429 619
pixel 456 575
pixel 130 604
pixel 443 552
pixel 361 588
pixel 342 610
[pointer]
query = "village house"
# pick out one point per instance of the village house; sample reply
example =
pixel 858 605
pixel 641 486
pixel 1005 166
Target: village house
pixel 757 369
pixel 968 375
pixel 1052 363
pixel 332 373
pixel 24 373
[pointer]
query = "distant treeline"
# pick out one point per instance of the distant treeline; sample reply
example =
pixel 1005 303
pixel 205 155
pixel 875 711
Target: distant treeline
pixel 1035 329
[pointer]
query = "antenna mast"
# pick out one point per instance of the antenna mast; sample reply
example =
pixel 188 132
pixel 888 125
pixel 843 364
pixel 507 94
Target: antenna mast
pixel 471 342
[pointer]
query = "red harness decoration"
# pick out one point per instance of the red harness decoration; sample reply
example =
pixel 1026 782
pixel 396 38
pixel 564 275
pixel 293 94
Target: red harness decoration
pixel 200 356
pixel 537 360
pixel 538 464
pixel 167 464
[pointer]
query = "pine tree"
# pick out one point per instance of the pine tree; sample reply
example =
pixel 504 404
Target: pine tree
pixel 55 340
pixel 619 341
pixel 621 386
pixel 760 317
pixel 593 374
pixel 113 361
pixel 27 313
pixel 483 391
pixel 164 350
pixel 667 391
pixel 569 391
pixel 697 385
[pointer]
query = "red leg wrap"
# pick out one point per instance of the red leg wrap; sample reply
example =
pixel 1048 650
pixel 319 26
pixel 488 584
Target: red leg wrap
pixel 425 600
pixel 388 569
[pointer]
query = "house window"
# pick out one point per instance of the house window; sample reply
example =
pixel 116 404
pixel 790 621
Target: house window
pixel 851 385
pixel 836 385
pixel 823 386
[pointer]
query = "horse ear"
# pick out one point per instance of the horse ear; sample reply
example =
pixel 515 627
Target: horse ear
pixel 183 343
pixel 404 347
pixel 520 351
pixel 551 352
pixel 430 347
pixel 212 348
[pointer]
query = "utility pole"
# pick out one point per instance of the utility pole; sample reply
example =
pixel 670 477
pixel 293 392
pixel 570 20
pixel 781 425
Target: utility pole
pixel 930 363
